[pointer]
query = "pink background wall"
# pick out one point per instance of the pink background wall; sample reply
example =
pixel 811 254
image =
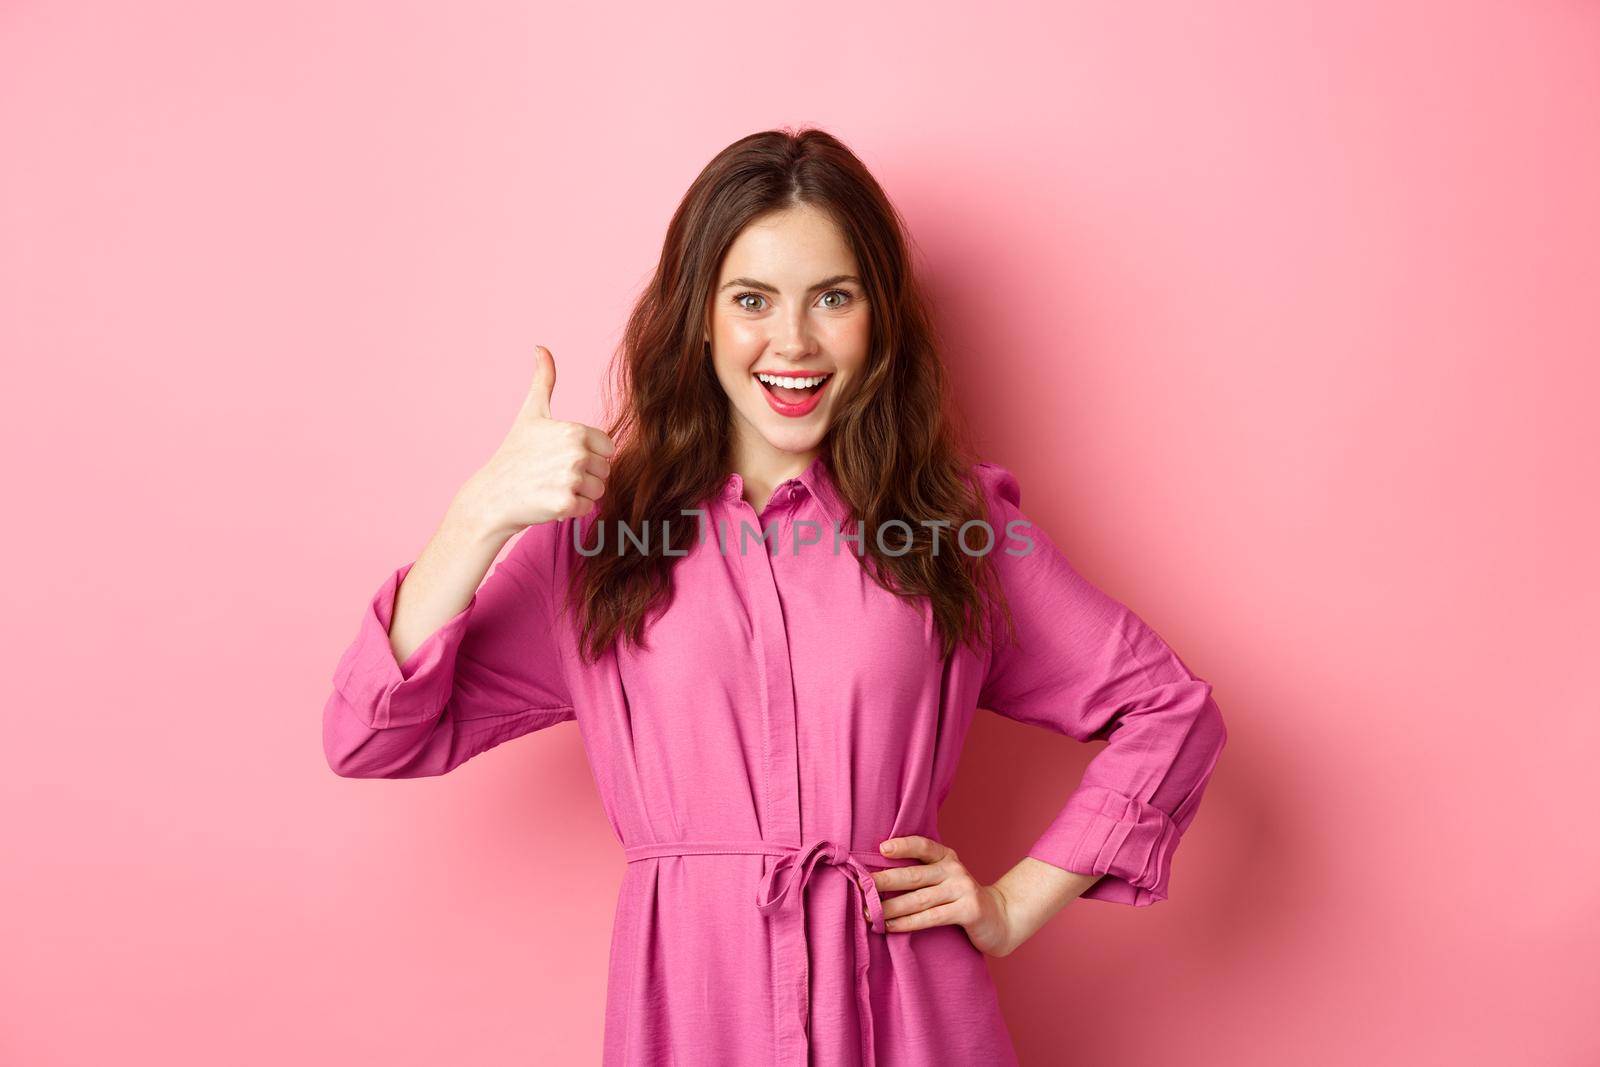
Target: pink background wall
pixel 1285 316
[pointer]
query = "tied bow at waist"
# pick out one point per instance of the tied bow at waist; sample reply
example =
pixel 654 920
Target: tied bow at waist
pixel 781 896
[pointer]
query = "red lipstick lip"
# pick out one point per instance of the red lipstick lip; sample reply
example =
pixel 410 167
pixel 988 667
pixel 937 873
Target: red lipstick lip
pixel 792 411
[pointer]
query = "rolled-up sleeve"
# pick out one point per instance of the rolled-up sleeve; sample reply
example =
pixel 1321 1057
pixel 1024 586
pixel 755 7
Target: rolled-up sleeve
pixel 1086 666
pixel 490 673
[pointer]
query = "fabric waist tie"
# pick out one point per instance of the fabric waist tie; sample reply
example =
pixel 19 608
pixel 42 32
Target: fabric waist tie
pixel 781 895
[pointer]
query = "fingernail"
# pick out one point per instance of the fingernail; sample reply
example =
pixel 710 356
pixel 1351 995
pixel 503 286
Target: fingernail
pixel 887 846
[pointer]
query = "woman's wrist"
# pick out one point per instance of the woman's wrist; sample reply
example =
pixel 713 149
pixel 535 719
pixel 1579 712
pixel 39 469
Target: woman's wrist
pixel 470 518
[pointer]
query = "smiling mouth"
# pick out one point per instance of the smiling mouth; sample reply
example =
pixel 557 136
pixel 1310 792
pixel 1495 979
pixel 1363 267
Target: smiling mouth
pixel 792 388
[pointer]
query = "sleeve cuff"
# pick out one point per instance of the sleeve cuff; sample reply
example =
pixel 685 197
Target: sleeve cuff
pixel 385 693
pixel 1103 832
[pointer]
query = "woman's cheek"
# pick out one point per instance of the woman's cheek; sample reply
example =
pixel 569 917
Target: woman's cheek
pixel 851 338
pixel 746 337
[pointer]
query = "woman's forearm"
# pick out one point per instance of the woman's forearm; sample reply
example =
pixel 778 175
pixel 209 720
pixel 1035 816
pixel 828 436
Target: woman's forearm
pixel 445 576
pixel 1034 891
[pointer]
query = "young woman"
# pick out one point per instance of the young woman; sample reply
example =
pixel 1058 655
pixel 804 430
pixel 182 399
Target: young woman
pixel 772 595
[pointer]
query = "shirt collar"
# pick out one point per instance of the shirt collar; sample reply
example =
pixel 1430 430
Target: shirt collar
pixel 816 480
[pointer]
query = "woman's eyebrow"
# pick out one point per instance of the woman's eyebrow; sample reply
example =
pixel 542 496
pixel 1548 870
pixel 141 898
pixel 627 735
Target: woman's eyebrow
pixel 751 283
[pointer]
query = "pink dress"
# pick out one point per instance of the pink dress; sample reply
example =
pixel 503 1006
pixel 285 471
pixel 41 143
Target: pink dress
pixel 788 715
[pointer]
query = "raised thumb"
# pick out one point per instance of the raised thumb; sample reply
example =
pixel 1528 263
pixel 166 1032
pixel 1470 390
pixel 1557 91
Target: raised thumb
pixel 544 383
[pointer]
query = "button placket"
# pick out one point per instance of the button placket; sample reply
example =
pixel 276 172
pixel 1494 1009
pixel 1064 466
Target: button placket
pixel 781 821
pixel 790 494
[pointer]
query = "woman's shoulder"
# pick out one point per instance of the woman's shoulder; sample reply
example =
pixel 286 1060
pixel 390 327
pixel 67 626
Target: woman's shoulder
pixel 997 483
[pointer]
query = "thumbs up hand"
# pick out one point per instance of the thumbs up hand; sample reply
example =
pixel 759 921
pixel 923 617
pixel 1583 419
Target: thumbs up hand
pixel 545 469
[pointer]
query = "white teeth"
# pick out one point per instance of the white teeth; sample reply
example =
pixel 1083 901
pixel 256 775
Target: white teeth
pixel 792 383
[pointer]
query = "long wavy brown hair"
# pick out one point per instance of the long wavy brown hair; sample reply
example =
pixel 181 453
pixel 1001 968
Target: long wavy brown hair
pixel 899 447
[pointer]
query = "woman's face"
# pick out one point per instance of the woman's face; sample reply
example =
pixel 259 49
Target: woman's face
pixel 788 303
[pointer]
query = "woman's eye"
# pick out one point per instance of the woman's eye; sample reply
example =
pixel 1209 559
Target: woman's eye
pixel 844 298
